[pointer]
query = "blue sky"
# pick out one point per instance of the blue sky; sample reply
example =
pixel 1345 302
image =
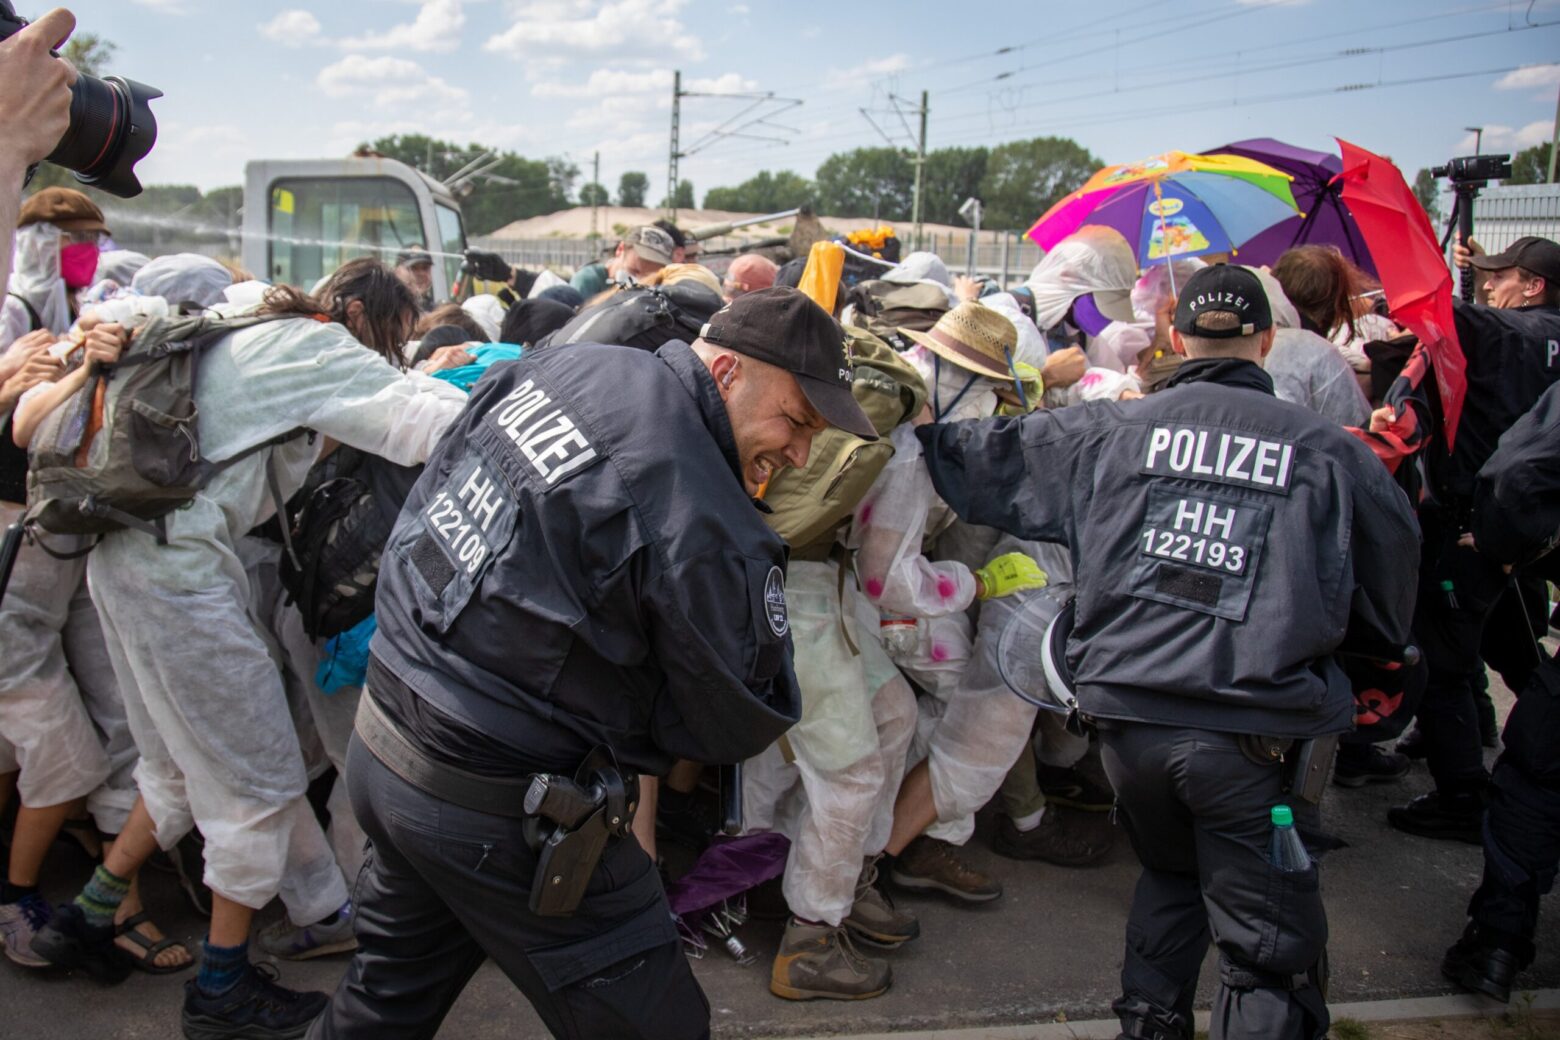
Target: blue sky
pixel 1126 78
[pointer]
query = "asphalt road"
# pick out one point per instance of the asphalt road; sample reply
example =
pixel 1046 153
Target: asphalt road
pixel 1051 946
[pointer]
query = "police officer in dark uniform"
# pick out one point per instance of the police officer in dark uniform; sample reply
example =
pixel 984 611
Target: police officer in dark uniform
pixel 1512 349
pixel 579 588
pixel 1224 542
pixel 1516 523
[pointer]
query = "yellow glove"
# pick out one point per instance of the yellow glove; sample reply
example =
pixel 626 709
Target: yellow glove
pixel 1010 573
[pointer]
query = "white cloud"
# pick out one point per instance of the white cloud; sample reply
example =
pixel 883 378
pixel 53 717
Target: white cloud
pixel 165 6
pixel 625 29
pixel 740 9
pixel 292 28
pixel 730 83
pixel 389 81
pixel 870 70
pixel 436 28
pixel 602 82
pixel 1540 78
pixel 1501 138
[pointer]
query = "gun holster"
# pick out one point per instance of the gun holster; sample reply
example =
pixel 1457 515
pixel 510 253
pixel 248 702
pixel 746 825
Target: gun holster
pixel 568 824
pixel 1306 763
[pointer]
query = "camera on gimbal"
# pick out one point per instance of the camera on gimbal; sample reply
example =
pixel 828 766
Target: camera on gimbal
pixel 1474 170
pixel 111 125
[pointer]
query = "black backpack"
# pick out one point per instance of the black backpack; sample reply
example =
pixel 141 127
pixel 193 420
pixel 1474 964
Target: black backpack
pixel 643 316
pixel 340 521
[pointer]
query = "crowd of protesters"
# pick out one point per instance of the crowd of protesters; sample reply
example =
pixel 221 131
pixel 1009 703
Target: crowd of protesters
pixel 166 697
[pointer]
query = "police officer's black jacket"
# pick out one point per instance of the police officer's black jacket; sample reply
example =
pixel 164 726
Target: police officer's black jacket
pixel 1512 355
pixel 1223 542
pixel 1516 514
pixel 579 564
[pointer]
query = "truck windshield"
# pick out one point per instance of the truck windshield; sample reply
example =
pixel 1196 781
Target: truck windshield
pixel 318 224
pixel 452 242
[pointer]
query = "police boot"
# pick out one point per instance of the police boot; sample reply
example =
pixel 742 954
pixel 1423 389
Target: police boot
pixel 874 919
pixel 818 960
pixel 1486 962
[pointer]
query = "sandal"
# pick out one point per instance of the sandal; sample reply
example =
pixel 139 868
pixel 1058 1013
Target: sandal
pixel 147 960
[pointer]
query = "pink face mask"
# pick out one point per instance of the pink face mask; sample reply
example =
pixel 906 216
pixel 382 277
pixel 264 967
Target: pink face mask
pixel 78 263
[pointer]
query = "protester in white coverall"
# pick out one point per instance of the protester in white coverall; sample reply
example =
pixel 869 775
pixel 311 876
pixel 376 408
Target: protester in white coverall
pixel 1307 369
pixel 924 603
pixel 205 698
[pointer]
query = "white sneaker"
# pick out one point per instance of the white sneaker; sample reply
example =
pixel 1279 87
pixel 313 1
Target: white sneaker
pixel 294 942
pixel 19 922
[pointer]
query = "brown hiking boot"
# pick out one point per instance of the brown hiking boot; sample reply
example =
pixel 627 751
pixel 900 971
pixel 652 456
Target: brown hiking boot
pixel 817 960
pixel 1066 838
pixel 932 865
pixel 874 919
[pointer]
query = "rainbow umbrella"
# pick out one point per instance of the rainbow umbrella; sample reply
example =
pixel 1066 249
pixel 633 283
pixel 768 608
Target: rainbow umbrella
pixel 1175 205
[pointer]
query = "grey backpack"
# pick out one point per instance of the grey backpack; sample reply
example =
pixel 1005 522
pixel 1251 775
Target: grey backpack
pixel 124 450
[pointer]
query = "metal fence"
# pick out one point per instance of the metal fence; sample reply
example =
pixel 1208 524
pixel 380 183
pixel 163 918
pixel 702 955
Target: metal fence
pixel 1006 256
pixel 1506 213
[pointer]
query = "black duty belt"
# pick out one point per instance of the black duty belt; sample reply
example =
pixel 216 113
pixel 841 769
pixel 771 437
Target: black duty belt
pixel 499 796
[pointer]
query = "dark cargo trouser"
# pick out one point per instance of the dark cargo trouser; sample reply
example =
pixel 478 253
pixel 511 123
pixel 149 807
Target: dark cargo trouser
pixel 1522 827
pixel 1198 813
pixel 443 888
pixel 1449 627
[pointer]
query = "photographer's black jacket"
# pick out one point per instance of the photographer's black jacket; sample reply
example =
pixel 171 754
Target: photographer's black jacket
pixel 580 564
pixel 1513 355
pixel 1223 542
pixel 1516 502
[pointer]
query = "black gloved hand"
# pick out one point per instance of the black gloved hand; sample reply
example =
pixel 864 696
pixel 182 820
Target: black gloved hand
pixel 490 267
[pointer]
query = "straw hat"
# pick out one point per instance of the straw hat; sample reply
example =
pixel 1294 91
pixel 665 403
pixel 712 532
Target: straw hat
pixel 974 337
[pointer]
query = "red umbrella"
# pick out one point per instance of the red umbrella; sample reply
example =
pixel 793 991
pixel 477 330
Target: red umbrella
pixel 1414 275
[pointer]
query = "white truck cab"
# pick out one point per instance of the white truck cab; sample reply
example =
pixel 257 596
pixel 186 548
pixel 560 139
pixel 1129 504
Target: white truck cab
pixel 303 218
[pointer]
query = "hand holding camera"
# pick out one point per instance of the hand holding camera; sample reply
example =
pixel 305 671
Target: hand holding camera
pixel 108 126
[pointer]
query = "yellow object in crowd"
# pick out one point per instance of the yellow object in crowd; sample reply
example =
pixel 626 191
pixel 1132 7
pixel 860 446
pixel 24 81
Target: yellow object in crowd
pixel 821 278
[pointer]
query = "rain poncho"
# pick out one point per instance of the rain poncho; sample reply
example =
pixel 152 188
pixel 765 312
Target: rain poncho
pixel 183 278
pixel 1092 259
pixel 984 727
pixel 836 800
pixel 205 697
pixel 1031 348
pixel 35 276
pixel 1308 370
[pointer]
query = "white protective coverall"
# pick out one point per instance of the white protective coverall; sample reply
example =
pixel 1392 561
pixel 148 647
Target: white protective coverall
pixel 183 278
pixel 62 719
pixel 835 800
pixel 206 701
pixel 1091 259
pixel 35 276
pixel 898 517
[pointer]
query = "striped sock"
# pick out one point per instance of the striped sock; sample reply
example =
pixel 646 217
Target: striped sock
pixel 102 896
pixel 221 967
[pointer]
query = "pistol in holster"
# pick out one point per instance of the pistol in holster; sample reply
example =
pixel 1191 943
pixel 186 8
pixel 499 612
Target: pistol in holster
pixel 568 823
pixel 1305 763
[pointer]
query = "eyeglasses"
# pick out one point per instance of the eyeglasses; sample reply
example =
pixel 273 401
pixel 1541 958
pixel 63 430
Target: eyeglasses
pixel 82 238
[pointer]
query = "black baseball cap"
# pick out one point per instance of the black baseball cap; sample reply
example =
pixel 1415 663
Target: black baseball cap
pixel 785 328
pixel 1223 289
pixel 1531 253
pixel 412 256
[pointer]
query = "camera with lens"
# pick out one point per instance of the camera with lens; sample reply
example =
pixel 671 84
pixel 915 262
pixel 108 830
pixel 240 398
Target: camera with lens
pixel 1475 169
pixel 111 125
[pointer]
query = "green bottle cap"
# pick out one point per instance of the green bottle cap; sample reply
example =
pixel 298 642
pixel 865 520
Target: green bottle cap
pixel 1282 816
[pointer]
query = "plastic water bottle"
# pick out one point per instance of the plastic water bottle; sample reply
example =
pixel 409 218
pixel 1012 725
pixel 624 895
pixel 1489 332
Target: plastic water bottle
pixel 1285 849
pixel 898 634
